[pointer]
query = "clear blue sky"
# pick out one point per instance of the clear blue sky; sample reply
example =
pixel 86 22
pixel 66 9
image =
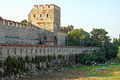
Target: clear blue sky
pixel 86 14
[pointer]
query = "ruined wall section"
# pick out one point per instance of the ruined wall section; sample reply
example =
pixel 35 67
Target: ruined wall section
pixel 37 50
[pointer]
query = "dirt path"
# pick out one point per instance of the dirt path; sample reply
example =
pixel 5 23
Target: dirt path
pixel 59 75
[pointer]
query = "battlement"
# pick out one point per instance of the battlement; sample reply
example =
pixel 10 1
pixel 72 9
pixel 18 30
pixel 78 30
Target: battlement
pixel 17 24
pixel 46 6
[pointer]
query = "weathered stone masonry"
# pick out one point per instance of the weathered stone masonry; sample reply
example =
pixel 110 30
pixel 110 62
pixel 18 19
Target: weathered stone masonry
pixel 17 33
pixel 36 50
pixel 46 17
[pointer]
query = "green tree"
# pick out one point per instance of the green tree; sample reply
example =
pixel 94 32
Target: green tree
pixel 112 48
pixel 118 54
pixel 24 21
pixel 101 57
pixel 78 37
pixel 115 45
pixel 99 37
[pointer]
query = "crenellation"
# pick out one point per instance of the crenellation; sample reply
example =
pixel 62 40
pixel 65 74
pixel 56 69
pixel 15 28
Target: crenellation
pixel 17 25
pixel 40 36
pixel 35 6
pixel 52 5
pixel 46 5
pixel 10 23
pixel 14 24
pixel 45 17
pixel 41 5
pixel 5 22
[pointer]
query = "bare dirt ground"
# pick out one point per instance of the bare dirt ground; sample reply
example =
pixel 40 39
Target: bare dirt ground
pixel 59 75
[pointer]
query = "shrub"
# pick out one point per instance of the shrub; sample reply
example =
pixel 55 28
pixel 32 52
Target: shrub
pixel 91 57
pixel 1 63
pixel 49 57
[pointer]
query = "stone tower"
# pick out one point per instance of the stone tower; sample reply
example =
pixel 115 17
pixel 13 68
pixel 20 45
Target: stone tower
pixel 46 17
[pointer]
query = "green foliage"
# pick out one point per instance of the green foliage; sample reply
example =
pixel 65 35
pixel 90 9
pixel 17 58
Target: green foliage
pixel 108 72
pixel 96 38
pixel 99 37
pixel 118 55
pixel 21 64
pixel 50 58
pixel 86 68
pixel 61 56
pixel 39 59
pixel 27 59
pixel 1 63
pixel 33 60
pixel 91 57
pixel 101 57
pixel 14 66
pixel 68 65
pixel 24 21
pixel 54 57
pixel 114 47
pixel 78 37
pixel 44 58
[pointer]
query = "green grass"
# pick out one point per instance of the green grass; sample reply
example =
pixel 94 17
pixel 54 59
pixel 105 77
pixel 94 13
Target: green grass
pixel 87 68
pixel 104 73
pixel 111 72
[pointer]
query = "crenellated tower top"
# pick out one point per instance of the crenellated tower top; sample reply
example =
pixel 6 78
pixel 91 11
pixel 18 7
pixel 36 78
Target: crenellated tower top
pixel 45 16
pixel 46 6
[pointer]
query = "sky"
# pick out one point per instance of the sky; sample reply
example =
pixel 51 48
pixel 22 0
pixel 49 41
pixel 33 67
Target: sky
pixel 86 14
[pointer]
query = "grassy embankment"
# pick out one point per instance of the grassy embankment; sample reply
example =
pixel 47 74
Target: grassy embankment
pixel 103 72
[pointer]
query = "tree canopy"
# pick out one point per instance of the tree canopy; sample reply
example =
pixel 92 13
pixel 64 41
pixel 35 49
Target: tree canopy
pixel 24 21
pixel 96 38
pixel 78 37
pixel 99 36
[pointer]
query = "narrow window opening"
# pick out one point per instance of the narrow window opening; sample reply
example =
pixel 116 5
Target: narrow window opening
pixel 34 15
pixel 40 15
pixel 46 15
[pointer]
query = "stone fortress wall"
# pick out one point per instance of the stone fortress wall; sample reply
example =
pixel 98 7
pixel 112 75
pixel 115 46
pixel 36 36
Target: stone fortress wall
pixel 43 29
pixel 11 32
pixel 15 32
pixel 40 50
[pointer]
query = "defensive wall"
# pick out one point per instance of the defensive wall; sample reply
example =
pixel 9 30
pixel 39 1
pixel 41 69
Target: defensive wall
pixel 11 32
pixel 31 39
pixel 33 50
pixel 15 32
